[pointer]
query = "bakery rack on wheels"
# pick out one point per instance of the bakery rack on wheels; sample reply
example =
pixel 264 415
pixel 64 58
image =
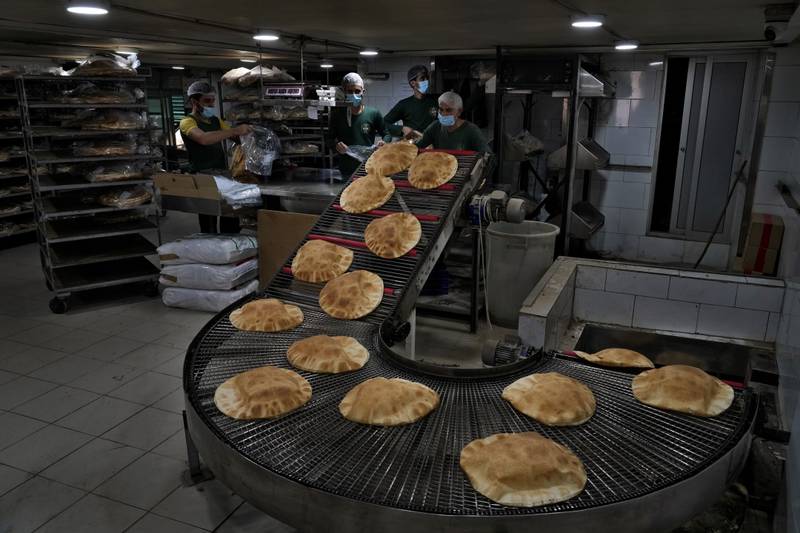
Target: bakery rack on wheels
pixel 17 224
pixel 91 160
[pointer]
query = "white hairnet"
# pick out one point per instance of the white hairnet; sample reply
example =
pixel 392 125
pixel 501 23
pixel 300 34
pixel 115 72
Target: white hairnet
pixel 452 99
pixel 352 79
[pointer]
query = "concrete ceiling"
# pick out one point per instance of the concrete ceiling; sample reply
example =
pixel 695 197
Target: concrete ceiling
pixel 217 33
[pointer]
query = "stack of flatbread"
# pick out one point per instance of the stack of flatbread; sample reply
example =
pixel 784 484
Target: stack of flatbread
pixel 393 235
pixel 265 392
pixel 618 357
pixel 522 469
pixel 327 355
pixel 432 169
pixel 392 158
pixel 266 314
pixel 352 295
pixel 367 193
pixel 552 398
pixel 125 198
pixel 388 402
pixel 317 261
pixel 682 388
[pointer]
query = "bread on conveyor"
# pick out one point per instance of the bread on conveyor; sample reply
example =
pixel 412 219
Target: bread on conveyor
pixel 264 392
pixel 522 469
pixel 327 355
pixel 432 169
pixel 552 398
pixel 317 261
pixel 266 314
pixel 352 295
pixel 683 388
pixel 367 193
pixel 393 235
pixel 620 357
pixel 388 402
pixel 392 158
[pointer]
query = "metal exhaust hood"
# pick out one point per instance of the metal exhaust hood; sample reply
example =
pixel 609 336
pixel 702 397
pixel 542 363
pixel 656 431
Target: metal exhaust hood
pixel 589 156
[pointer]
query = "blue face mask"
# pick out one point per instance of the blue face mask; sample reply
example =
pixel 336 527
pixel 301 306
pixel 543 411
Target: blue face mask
pixel 447 120
pixel 209 112
pixel 422 86
pixel 353 99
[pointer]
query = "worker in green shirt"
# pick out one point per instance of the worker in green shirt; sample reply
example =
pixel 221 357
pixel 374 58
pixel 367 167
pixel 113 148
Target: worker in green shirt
pixel 356 125
pixel 417 111
pixel 450 131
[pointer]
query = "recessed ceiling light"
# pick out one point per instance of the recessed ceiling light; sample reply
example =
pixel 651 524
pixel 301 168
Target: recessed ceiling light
pixel 88 7
pixel 326 64
pixel 588 21
pixel 368 52
pixel 178 67
pixel 246 60
pixel 626 45
pixel 266 36
pixel 656 63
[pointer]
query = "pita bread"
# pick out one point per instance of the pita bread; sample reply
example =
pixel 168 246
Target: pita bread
pixel 388 402
pixel 682 388
pixel 317 261
pixel 432 169
pixel 327 355
pixel 522 469
pixel 552 398
pixel 265 392
pixel 619 357
pixel 266 314
pixel 392 158
pixel 352 295
pixel 393 235
pixel 367 193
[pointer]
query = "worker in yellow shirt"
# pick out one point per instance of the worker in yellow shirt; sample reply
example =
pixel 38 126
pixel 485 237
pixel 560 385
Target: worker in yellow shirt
pixel 203 132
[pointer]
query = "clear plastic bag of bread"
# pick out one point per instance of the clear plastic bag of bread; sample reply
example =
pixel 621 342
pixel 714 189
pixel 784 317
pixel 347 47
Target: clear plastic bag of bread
pixel 261 148
pixel 90 93
pixel 120 146
pixel 125 198
pixel 111 119
pixel 118 172
pixel 107 64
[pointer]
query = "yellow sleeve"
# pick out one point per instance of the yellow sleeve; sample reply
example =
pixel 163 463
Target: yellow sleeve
pixel 224 125
pixel 187 125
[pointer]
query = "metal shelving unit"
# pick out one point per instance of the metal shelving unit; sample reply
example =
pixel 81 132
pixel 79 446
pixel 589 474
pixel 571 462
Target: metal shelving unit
pixel 84 244
pixel 13 171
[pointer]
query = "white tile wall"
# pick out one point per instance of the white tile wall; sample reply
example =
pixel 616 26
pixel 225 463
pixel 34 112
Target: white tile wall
pixel 643 113
pixel 782 119
pixel 633 221
pixel 761 298
pixel 639 283
pixel 777 153
pixel 655 313
pixel 702 291
pixel 772 327
pixel 732 322
pixel 716 257
pixel 618 194
pixel 628 141
pixel 599 306
pixel 614 112
pixel 785 81
pixel 634 176
pixel 660 250
pixel 589 277
pixel 637 84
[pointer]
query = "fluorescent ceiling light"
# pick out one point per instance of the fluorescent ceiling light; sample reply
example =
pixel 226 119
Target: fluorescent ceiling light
pixel 368 52
pixel 626 45
pixel 588 21
pixel 178 67
pixel 246 60
pixel 266 36
pixel 88 7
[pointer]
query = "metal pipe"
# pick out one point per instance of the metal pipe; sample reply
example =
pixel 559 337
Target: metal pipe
pixel 498 116
pixel 569 175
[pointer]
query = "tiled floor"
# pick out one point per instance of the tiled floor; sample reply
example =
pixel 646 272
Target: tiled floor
pixel 91 437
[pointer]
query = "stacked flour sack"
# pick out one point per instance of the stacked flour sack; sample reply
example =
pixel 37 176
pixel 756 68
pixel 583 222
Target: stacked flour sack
pixel 208 272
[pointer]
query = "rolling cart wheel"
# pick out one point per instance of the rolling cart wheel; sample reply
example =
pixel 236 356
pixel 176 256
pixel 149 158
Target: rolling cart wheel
pixel 59 306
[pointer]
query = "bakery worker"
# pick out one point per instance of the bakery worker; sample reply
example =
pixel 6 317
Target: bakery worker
pixel 450 131
pixel 356 125
pixel 417 111
pixel 203 132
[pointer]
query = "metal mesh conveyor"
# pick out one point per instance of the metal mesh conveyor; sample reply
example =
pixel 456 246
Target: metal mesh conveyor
pixel 647 469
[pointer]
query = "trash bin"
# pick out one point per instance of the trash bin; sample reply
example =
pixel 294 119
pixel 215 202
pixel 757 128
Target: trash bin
pixel 517 257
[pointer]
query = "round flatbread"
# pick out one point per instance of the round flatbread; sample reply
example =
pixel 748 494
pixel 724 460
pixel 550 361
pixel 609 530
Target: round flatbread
pixel 388 402
pixel 552 398
pixel 392 158
pixel 522 469
pixel 367 193
pixel 352 295
pixel 266 314
pixel 317 261
pixel 432 169
pixel 682 388
pixel 618 357
pixel 327 355
pixel 393 235
pixel 265 392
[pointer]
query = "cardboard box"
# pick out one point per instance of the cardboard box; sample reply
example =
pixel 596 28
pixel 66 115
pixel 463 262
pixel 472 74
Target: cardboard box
pixel 766 231
pixel 192 193
pixel 760 261
pixel 279 234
